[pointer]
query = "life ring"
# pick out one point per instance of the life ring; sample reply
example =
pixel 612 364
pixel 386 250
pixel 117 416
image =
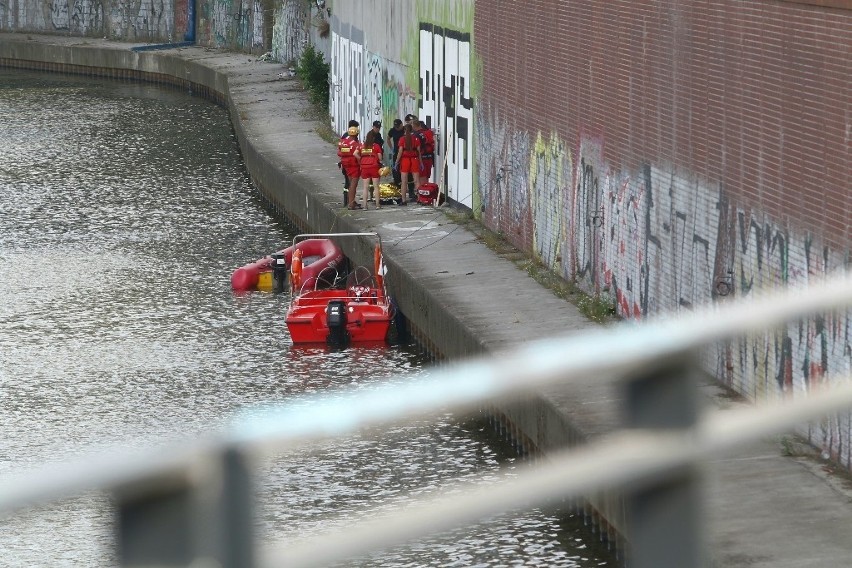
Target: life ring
pixel 296 270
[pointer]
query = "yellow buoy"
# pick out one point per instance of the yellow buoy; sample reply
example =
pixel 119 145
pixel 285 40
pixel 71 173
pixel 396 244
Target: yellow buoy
pixel 264 281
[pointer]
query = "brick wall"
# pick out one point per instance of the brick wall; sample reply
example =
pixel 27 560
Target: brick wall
pixel 672 153
pixel 752 95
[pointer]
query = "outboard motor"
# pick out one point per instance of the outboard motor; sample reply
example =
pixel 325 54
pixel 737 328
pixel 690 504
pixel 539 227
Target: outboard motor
pixel 279 271
pixel 335 315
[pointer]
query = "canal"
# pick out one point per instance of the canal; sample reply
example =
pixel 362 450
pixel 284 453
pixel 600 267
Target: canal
pixel 124 207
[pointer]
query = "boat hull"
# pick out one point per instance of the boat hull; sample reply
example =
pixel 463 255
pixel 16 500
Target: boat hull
pixel 368 318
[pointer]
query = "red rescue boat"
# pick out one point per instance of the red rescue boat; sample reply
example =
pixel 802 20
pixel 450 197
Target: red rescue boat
pixel 357 311
pixel 270 271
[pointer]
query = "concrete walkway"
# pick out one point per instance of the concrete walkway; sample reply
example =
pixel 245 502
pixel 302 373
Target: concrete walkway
pixel 764 509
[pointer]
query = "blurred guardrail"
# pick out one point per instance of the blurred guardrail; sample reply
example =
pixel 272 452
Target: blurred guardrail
pixel 192 504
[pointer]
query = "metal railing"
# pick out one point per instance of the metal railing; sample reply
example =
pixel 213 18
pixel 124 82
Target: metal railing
pixel 191 504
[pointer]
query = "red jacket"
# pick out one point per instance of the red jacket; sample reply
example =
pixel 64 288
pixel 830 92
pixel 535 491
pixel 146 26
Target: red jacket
pixel 346 149
pixel 427 143
pixel 370 156
pixel 415 144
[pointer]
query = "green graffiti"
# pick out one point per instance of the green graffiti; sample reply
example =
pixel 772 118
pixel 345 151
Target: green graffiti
pixel 390 99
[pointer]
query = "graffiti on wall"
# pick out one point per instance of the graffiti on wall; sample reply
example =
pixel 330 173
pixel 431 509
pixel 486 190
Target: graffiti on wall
pixel 550 159
pixel 654 241
pixel 587 215
pixel 624 263
pixel 78 17
pixel 127 20
pixel 502 169
pixel 290 32
pixel 181 19
pixel 446 106
pixel 364 85
pixel 221 21
pixel 255 37
pixel 137 20
pixel 347 82
pixel 233 24
pixel 398 99
pixel 59 16
pixel 373 81
pixel 84 17
pixel 683 221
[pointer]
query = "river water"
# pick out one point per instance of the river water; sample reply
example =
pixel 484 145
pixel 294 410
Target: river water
pixel 124 207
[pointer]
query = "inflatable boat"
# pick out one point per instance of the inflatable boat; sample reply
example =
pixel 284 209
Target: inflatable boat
pixel 270 272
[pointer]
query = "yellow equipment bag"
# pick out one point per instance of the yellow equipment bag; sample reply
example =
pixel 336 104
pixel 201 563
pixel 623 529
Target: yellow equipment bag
pixel 389 191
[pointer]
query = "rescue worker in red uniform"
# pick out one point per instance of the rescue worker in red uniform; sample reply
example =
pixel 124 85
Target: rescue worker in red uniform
pixel 408 159
pixel 371 161
pixel 427 148
pixel 356 124
pixel 394 134
pixel 409 185
pixel 347 150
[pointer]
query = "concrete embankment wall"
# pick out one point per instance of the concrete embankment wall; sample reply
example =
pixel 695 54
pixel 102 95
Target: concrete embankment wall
pixel 294 169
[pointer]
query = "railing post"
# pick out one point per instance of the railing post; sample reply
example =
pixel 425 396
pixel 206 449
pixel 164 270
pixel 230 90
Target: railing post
pixel 201 516
pixel 664 527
